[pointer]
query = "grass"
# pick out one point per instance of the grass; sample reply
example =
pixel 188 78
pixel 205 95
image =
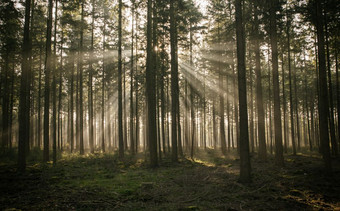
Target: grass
pixel 209 182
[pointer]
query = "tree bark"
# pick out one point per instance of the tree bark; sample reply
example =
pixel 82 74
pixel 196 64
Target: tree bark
pixel 150 91
pixel 48 66
pixel 174 80
pixel 245 172
pixel 120 106
pixel 323 95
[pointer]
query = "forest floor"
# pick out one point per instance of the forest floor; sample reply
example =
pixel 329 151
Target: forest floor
pixel 102 182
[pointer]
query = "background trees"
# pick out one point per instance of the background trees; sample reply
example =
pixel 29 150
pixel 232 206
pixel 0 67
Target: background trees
pixel 160 76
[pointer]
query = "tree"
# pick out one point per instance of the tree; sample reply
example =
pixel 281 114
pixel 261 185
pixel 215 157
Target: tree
pixel 132 138
pixel 54 88
pixel 242 90
pixel 174 81
pixel 259 96
pixel 24 105
pixel 290 87
pixel 90 91
pixel 323 95
pixel 150 91
pixel 48 68
pixel 120 105
pixel 277 110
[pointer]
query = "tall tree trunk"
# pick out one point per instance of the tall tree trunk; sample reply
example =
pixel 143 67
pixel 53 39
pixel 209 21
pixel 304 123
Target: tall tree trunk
pixel 284 106
pixel 323 95
pixel 60 126
pixel 296 107
pixel 174 80
pixel 259 97
pixel 11 105
pixel 132 138
pixel 276 87
pixel 81 108
pixel 162 84
pixel 222 129
pixel 120 105
pixel 150 91
pixel 337 89
pixel 5 102
pixel 72 55
pixel 48 66
pixel 330 91
pixel 24 101
pixel 270 128
pixel 290 88
pixel 39 97
pixel 242 90
pixel 136 88
pixel 90 89
pixel 192 98
pixel 54 87
pixel 103 88
pixel 251 107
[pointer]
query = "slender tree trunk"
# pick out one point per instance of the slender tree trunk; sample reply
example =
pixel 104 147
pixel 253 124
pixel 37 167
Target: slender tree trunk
pixel 81 108
pixel 24 101
pixel 228 114
pixel 60 126
pixel 162 84
pixel 120 105
pixel 259 97
pixel 323 96
pixel 54 87
pixel 72 54
pixel 150 91
pixel 270 128
pixel 39 97
pixel 337 90
pixel 242 90
pixel 251 107
pixel 296 107
pixel 136 88
pixel 330 91
pixel 276 87
pixel 192 98
pixel 90 89
pixel 284 106
pixel 103 88
pixel 222 130
pixel 132 138
pixel 174 80
pixel 290 88
pixel 5 102
pixel 48 66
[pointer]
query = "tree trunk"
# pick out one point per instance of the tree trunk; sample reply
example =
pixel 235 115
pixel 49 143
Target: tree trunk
pixel 259 96
pixel 276 88
pixel 151 92
pixel 323 95
pixel 120 105
pixel 54 88
pixel 132 138
pixel 103 88
pixel 90 89
pixel 81 111
pixel 290 88
pixel 242 90
pixel 48 61
pixel 330 91
pixel 24 101
pixel 174 80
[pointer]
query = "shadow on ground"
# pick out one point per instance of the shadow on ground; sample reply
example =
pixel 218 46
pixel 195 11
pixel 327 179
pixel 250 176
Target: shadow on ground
pixel 103 182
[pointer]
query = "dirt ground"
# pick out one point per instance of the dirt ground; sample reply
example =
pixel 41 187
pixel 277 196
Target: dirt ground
pixel 102 182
